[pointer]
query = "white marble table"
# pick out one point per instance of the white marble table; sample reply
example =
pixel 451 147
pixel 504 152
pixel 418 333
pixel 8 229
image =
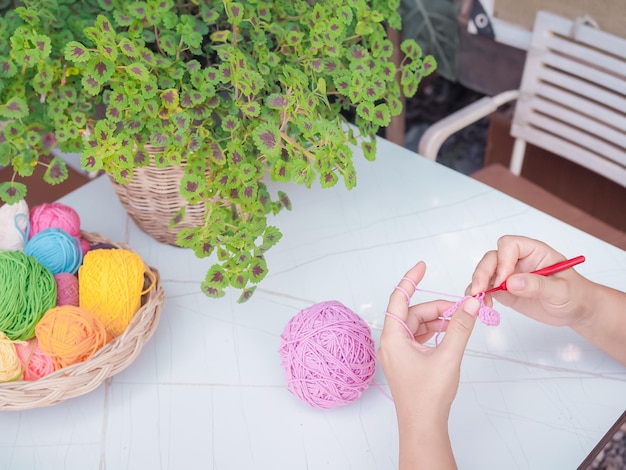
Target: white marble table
pixel 208 392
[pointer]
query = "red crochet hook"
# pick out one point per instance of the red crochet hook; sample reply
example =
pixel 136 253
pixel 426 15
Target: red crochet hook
pixel 555 268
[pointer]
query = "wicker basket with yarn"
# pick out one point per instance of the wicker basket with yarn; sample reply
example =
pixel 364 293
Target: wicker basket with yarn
pixel 153 197
pixel 81 378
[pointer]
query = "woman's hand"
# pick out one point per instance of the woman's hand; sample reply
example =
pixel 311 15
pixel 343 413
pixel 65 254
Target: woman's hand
pixel 561 299
pixel 423 380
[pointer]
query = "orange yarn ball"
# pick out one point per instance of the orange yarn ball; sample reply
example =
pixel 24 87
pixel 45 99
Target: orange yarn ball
pixel 110 286
pixel 70 334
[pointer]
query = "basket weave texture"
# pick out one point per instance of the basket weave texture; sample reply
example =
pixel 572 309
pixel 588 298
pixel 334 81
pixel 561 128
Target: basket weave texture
pixel 153 197
pixel 81 378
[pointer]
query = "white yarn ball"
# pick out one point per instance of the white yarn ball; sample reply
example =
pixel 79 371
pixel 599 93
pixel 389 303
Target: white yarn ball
pixel 10 237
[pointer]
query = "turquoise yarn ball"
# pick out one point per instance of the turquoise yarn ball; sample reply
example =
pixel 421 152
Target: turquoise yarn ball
pixel 56 250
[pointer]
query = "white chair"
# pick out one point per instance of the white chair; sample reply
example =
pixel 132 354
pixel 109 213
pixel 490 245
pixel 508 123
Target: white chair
pixel 571 101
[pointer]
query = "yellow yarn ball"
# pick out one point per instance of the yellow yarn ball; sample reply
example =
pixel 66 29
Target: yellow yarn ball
pixel 110 286
pixel 10 366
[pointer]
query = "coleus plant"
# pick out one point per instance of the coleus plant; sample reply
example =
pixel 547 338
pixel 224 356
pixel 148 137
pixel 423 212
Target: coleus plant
pixel 237 93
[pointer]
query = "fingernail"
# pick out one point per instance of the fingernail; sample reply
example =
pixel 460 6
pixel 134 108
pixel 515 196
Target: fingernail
pixel 515 283
pixel 471 306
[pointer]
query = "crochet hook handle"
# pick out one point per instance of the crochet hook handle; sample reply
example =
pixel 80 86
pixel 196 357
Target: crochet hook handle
pixel 555 268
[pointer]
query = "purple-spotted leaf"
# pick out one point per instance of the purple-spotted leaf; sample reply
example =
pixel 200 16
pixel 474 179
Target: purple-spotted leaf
pixel 138 71
pixel 216 154
pixel 411 49
pixel 221 36
pixel 90 161
pixel 128 48
pixel 230 123
pixel 90 84
pixel 14 108
pixel 251 109
pixel 381 115
pixel 169 98
pixel 56 171
pixel 267 139
pixel 328 179
pixel 258 269
pixel 239 279
pixel 141 158
pixel 235 12
pixel 100 70
pixel 344 13
pixel 395 105
pixel 369 149
pixel 429 64
pixel 114 113
pixel 277 101
pixel 216 277
pixel 366 110
pixel 192 187
pixel 104 25
pixel 123 175
pixel 280 171
pixel 12 192
pixel 177 218
pixel 7 68
pixel 106 5
pixel 246 294
pixel 149 88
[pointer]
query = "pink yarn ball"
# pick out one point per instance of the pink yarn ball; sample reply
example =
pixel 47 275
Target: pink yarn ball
pixel 55 215
pixel 67 289
pixel 35 362
pixel 328 355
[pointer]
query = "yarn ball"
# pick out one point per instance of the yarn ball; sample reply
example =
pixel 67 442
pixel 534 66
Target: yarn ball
pixel 70 334
pixel 55 215
pixel 110 286
pixel 67 289
pixel 56 249
pixel 12 229
pixel 10 367
pixel 27 290
pixel 34 362
pixel 328 355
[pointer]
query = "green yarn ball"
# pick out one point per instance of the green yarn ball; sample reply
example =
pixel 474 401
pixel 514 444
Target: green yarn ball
pixel 27 291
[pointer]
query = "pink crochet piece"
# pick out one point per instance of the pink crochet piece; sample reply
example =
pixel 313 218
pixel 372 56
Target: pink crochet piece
pixel 486 314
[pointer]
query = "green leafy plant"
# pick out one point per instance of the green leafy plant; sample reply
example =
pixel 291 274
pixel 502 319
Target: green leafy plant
pixel 233 92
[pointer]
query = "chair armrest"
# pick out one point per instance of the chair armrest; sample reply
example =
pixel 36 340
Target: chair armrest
pixel 436 135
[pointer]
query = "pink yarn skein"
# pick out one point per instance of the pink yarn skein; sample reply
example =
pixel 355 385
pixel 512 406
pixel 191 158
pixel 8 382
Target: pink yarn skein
pixel 56 215
pixel 35 362
pixel 328 355
pixel 67 289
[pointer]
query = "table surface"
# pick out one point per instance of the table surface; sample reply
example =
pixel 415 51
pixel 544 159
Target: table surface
pixel 208 391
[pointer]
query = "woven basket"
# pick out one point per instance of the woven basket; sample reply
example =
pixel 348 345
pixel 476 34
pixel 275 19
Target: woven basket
pixel 84 377
pixel 153 197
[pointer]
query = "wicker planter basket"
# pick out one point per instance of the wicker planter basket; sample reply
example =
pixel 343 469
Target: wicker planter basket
pixel 152 198
pixel 84 377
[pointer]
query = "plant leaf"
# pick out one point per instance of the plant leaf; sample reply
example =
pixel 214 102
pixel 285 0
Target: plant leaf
pixel 12 192
pixel 267 139
pixel 138 71
pixel 76 52
pixel 15 108
pixel 56 171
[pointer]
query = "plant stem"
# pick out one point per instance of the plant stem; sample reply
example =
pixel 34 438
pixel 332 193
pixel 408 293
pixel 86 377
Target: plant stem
pixel 308 153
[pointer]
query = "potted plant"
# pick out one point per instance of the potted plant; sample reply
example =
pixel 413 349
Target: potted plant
pixel 232 95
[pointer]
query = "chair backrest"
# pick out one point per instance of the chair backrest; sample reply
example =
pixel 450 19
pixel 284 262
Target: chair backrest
pixel 573 95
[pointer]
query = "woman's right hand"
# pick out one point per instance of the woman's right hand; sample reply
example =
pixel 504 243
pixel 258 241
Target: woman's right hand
pixel 561 299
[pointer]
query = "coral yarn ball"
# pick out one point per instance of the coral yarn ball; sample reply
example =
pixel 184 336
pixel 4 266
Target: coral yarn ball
pixel 328 355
